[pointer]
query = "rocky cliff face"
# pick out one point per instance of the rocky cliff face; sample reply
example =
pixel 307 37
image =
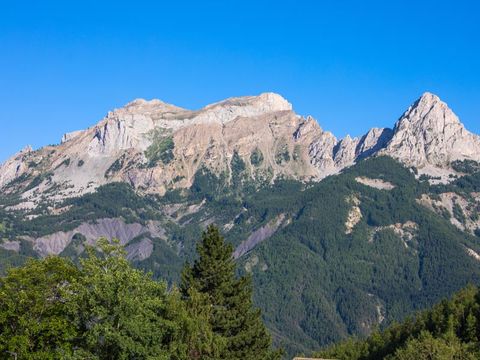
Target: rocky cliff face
pixel 156 146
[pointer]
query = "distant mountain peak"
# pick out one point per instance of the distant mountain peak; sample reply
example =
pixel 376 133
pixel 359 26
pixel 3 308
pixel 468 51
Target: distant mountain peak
pixel 429 111
pixel 430 134
pixel 428 96
pixel 140 106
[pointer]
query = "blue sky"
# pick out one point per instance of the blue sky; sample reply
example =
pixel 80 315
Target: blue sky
pixel 351 64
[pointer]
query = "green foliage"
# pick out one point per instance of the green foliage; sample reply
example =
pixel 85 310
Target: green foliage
pixel 321 284
pixel 296 152
pixel 102 309
pixel 314 283
pixel 238 175
pixel 123 314
pixel 427 347
pixel 458 213
pixel 10 258
pixel 464 185
pixel 237 164
pixel 282 154
pixel 208 185
pixel 161 149
pixel 116 166
pixel 37 180
pixel 466 166
pixel 33 314
pixel 65 163
pixel 256 157
pixel 450 330
pixel 233 317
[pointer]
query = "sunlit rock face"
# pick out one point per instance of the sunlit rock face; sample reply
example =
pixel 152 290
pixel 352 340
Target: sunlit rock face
pixel 155 146
pixel 430 134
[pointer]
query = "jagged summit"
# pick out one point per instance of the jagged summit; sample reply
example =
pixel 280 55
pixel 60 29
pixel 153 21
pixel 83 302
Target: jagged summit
pixel 429 97
pixel 428 110
pixel 430 134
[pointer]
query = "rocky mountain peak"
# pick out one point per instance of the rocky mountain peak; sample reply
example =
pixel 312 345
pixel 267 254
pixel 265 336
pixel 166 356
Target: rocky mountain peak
pixel 266 102
pixel 430 134
pixel 428 113
pixel 245 106
pixel 428 98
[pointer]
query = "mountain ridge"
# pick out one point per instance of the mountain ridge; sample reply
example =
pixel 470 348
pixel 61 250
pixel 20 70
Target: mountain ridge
pixel 156 146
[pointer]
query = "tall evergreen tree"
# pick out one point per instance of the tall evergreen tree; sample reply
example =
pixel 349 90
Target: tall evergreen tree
pixel 234 317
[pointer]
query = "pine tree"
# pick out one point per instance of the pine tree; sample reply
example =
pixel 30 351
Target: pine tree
pixel 470 332
pixel 234 317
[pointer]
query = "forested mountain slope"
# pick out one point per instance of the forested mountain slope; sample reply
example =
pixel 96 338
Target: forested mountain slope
pixel 447 331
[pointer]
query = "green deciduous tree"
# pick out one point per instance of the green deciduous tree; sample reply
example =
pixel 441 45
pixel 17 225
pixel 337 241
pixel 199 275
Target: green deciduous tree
pixel 34 321
pixel 427 347
pixel 122 313
pixel 101 309
pixel 233 316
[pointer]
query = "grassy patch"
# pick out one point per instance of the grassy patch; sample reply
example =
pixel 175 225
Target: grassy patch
pixel 161 149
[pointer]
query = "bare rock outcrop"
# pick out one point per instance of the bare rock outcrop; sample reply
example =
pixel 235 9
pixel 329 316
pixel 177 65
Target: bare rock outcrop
pixel 258 236
pixel 110 228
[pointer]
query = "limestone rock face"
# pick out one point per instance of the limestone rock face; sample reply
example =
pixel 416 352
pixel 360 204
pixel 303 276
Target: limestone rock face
pixel 14 167
pixel 429 133
pixel 321 151
pixel 69 136
pixel 156 146
pixel 373 141
pixel 345 152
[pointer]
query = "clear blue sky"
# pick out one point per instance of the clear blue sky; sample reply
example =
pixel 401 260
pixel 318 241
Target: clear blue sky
pixel 351 64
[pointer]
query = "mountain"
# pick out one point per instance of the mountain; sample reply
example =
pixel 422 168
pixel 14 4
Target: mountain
pixel 340 236
pixel 157 147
